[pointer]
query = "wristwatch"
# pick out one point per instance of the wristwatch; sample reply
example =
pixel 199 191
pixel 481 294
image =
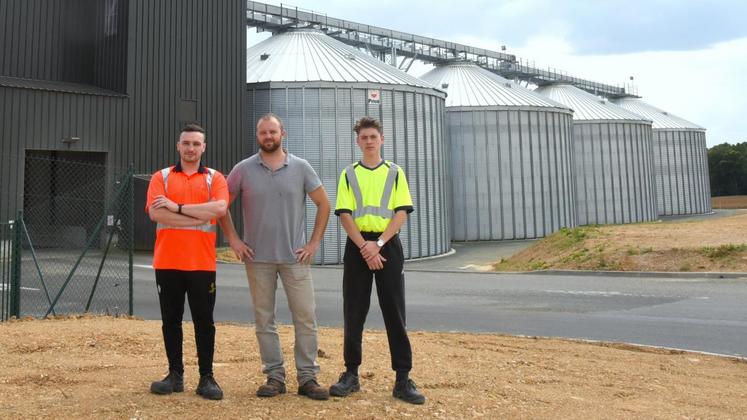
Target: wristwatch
pixel 380 243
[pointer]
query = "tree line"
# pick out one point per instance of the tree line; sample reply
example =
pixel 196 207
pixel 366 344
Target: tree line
pixel 728 167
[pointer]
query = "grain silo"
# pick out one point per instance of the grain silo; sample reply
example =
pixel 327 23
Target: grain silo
pixel 319 87
pixel 613 156
pixel 510 156
pixel 680 160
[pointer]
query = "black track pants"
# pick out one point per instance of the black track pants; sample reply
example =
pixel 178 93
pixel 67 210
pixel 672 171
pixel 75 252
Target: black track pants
pixel 357 282
pixel 199 286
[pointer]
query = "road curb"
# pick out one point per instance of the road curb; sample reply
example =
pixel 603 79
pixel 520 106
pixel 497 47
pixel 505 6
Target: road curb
pixel 658 274
pixel 661 274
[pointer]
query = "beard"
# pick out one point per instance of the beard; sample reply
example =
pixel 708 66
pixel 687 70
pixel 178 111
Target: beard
pixel 269 147
pixel 192 158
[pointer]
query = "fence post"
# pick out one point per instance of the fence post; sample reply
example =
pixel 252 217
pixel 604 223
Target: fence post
pixel 131 227
pixel 15 273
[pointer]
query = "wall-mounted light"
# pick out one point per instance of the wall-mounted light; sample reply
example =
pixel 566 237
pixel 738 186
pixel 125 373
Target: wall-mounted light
pixel 70 140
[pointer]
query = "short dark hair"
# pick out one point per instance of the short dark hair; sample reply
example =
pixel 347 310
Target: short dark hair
pixel 194 128
pixel 367 122
pixel 269 116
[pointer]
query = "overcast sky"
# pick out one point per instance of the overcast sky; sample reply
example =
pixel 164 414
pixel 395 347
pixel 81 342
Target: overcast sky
pixel 686 57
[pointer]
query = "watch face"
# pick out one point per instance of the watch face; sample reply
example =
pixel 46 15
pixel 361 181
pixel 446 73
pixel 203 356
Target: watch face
pixel 380 243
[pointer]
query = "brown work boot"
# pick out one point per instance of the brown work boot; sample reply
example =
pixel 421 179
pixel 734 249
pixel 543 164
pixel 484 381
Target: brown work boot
pixel 312 390
pixel 272 388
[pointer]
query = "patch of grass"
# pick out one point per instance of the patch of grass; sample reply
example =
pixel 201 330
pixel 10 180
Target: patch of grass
pixel 603 263
pixel 538 265
pixel 638 250
pixel 582 255
pixel 572 236
pixel 722 251
pixel 686 266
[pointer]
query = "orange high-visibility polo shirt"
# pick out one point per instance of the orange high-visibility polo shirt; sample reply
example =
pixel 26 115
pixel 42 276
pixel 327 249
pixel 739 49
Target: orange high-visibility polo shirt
pixel 183 249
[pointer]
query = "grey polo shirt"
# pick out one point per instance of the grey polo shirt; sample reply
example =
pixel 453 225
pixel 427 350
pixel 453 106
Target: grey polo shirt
pixel 274 205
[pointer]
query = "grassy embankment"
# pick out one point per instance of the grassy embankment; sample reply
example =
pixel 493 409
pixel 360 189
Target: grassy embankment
pixel 707 245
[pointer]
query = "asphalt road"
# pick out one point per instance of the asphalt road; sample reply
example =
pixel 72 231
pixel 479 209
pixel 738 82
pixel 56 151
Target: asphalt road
pixel 707 315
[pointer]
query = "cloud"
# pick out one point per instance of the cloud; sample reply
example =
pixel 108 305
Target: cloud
pixel 593 27
pixel 687 58
pixel 704 86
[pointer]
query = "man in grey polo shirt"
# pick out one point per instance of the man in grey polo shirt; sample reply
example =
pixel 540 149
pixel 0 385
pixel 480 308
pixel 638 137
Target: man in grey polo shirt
pixel 273 185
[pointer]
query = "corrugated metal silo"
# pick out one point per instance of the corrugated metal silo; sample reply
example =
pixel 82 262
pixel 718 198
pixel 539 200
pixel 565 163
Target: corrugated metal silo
pixel 680 160
pixel 613 155
pixel 510 156
pixel 319 87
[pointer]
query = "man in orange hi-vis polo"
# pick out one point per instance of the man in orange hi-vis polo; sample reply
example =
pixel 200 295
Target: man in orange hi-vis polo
pixel 185 200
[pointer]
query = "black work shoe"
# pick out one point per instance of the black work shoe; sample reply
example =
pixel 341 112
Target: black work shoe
pixel 407 392
pixel 272 388
pixel 173 382
pixel 347 384
pixel 209 389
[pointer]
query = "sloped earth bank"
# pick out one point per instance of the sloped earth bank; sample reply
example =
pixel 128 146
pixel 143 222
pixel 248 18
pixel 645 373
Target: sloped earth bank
pixel 729 202
pixel 712 245
pixel 100 367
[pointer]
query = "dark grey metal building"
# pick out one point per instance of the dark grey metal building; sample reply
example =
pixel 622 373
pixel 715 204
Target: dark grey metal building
pixel 112 81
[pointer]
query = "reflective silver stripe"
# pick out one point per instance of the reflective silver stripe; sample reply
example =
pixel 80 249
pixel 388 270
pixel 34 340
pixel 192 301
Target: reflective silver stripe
pixel 208 228
pixel 209 179
pixel 376 211
pixel 383 209
pixel 390 178
pixel 165 174
pixel 353 182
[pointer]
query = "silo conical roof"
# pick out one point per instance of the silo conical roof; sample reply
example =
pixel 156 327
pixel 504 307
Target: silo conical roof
pixel 585 106
pixel 308 55
pixel 470 85
pixel 661 119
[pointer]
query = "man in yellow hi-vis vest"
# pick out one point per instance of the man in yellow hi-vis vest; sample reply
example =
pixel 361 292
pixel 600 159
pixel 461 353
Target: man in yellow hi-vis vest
pixel 373 201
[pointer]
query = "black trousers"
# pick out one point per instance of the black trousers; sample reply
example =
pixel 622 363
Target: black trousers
pixel 357 281
pixel 199 287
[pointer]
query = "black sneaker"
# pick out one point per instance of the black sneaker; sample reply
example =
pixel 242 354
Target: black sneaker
pixel 209 389
pixel 347 384
pixel 407 392
pixel 173 382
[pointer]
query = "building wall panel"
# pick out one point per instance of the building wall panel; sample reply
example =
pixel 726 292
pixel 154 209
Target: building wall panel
pixel 171 55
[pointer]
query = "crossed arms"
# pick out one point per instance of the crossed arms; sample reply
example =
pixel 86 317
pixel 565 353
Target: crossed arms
pixel 165 211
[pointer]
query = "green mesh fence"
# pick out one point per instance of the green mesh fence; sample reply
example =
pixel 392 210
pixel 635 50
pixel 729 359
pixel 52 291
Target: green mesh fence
pixel 73 240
